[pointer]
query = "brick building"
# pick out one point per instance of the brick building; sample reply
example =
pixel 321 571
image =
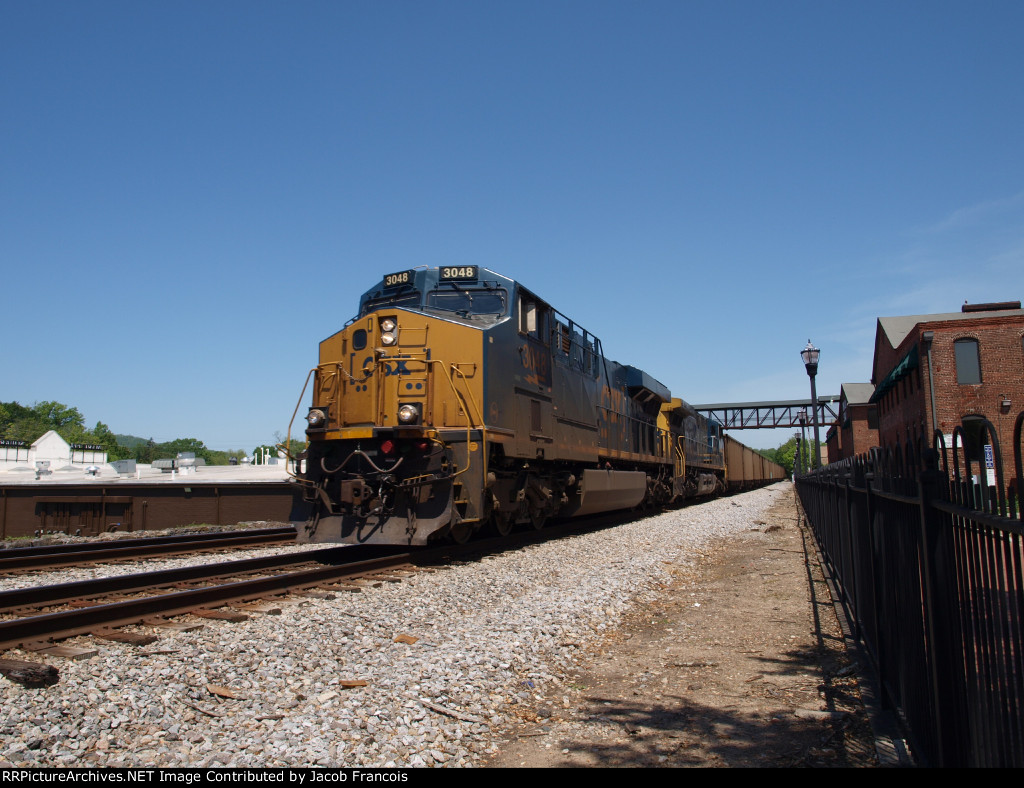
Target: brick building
pixel 934 372
pixel 856 430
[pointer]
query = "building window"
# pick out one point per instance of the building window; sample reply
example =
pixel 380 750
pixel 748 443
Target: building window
pixel 968 361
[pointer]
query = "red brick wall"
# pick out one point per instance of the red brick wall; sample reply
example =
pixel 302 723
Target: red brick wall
pixel 832 445
pixel 859 438
pixel 908 408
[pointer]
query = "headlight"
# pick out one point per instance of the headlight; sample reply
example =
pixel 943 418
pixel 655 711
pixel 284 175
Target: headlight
pixel 388 339
pixel 387 325
pixel 316 418
pixel 408 414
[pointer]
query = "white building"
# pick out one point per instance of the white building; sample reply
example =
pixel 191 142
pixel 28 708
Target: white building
pixel 50 448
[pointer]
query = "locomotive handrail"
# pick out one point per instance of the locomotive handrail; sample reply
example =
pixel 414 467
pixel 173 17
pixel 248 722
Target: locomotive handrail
pixel 469 421
pixel 681 451
pixel 288 434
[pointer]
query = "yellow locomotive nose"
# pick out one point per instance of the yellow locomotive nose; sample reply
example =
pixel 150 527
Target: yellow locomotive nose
pixel 395 438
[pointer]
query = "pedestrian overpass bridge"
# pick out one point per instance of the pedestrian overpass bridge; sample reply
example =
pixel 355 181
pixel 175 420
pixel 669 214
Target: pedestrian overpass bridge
pixel 770 415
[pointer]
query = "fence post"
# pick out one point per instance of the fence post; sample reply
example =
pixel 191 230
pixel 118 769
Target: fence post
pixel 880 645
pixel 942 627
pixel 854 613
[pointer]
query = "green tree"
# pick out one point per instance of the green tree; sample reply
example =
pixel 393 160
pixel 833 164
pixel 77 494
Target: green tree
pixel 145 453
pixel 20 423
pixel 224 457
pixel 59 416
pixel 129 441
pixel 293 447
pixel 102 436
pixel 785 455
pixel 264 450
pixel 10 412
pixel 29 424
pixel 171 449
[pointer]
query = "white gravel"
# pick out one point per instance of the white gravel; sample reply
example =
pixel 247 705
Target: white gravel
pixel 490 636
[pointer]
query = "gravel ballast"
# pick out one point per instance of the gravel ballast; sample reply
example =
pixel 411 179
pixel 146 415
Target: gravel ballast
pixel 424 672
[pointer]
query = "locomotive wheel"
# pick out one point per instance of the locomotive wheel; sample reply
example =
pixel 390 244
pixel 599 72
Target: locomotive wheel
pixel 500 523
pixel 538 518
pixel 460 532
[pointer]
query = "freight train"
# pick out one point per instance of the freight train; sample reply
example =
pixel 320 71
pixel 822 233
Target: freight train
pixel 457 400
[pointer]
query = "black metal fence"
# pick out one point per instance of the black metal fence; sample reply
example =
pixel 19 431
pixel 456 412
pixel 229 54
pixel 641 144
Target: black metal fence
pixel 926 548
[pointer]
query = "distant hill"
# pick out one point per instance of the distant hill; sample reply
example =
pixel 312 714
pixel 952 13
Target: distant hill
pixel 130 441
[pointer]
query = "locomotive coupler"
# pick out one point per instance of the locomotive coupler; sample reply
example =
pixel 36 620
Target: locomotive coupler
pixel 354 492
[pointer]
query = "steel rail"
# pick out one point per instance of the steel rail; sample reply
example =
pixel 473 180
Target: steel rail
pixel 39 558
pixel 74 547
pixel 66 624
pixel 63 593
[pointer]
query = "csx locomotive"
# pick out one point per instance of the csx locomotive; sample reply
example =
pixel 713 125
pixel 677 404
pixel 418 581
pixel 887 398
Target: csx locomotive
pixel 458 400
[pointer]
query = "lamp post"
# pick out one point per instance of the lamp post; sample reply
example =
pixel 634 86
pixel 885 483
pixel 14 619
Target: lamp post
pixel 797 459
pixel 810 356
pixel 802 440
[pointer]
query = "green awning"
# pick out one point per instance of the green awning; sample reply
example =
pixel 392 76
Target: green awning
pixel 907 365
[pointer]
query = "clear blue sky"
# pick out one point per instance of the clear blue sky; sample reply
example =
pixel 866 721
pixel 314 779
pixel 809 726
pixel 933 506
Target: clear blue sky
pixel 193 194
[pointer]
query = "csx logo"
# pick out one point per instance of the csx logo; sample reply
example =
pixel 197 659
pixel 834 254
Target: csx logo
pixel 390 367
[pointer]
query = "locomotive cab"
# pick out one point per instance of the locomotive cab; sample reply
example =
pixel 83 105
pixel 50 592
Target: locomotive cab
pixel 395 440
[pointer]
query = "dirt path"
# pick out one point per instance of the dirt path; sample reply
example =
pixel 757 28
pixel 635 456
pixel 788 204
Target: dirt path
pixel 733 667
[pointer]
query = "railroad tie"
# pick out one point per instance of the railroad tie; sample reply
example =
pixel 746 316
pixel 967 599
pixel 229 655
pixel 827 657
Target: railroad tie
pixel 120 636
pixel 233 616
pixel 29 674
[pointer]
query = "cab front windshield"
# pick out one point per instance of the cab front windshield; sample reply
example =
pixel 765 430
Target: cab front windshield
pixel 409 299
pixel 473 301
pixel 467 301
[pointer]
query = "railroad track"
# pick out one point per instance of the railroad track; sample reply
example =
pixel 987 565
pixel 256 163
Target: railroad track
pixel 155 597
pixel 27 559
pixel 225 590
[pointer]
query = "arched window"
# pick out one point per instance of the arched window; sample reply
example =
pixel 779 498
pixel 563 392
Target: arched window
pixel 968 361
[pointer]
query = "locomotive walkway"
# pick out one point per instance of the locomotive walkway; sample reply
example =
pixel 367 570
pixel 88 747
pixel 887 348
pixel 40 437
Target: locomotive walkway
pixel 743 662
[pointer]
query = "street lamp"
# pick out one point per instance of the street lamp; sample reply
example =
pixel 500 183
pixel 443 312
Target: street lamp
pixel 805 461
pixel 797 459
pixel 810 356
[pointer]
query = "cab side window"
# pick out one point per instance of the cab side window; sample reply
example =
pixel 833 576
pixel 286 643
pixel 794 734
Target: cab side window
pixel 533 318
